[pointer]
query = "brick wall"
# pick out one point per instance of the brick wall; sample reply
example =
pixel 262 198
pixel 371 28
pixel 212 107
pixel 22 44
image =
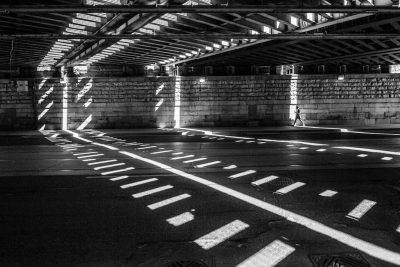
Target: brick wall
pixel 127 102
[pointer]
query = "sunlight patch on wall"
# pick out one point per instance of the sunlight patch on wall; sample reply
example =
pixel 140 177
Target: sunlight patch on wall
pixel 158 105
pixel 177 109
pixel 88 103
pixel 85 123
pixel 45 95
pixel 65 107
pixel 47 108
pixel 293 96
pixel 84 90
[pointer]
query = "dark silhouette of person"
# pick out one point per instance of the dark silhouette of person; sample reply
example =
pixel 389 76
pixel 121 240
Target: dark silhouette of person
pixel 298 117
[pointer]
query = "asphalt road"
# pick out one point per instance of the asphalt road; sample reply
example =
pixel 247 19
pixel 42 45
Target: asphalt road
pixel 225 197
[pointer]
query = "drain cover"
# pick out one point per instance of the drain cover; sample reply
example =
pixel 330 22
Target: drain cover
pixel 339 260
pixel 186 263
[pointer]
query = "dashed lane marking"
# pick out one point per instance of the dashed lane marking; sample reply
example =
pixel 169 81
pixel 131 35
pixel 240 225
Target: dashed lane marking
pixel 146 147
pixel 86 153
pixel 168 201
pixel 102 162
pixel 152 191
pixel 289 188
pixel 183 157
pixel 86 160
pixel 242 174
pixel 194 160
pixel 181 219
pixel 265 180
pixel 362 208
pixel 328 193
pixel 139 183
pixel 117 171
pixel 230 167
pixel 119 178
pixel 161 152
pixel 90 156
pixel 207 164
pixel 109 166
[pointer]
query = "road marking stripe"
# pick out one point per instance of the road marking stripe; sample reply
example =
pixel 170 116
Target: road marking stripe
pixel 289 188
pixel 161 152
pixel 328 193
pixel 86 160
pixel 347 239
pixel 361 209
pixel 362 155
pixel 146 147
pixel 139 183
pixel 321 150
pixel 183 157
pixel 101 162
pixel 207 164
pixel 177 153
pixel 265 180
pixel 86 153
pixel 239 141
pixel 181 219
pixel 109 166
pixel 293 142
pixel 117 171
pixel 119 178
pixel 221 234
pixel 387 158
pixel 269 256
pixel 230 167
pixel 194 160
pixel 168 201
pixel 242 174
pixel 89 156
pixel 152 191
pixel 369 150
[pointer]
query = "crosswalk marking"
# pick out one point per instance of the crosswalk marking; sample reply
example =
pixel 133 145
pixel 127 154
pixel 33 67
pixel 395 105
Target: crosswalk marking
pixel 119 178
pixel 102 162
pixel 361 209
pixel 161 152
pixel 221 234
pixel 152 191
pixel 194 160
pixel 265 180
pixel 242 174
pixel 168 201
pixel 181 219
pixel 139 183
pixel 89 156
pixel 269 256
pixel 328 193
pixel 109 166
pixel 183 157
pixel 289 188
pixel 117 171
pixel 207 164
pixel 230 167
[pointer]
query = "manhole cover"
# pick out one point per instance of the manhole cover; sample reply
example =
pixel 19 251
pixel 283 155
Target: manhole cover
pixel 339 260
pixel 186 263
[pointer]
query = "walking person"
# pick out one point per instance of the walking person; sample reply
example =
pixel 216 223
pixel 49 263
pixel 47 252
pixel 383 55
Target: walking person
pixel 298 116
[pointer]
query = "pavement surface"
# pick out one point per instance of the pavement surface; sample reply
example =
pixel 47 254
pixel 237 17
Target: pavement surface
pixel 283 196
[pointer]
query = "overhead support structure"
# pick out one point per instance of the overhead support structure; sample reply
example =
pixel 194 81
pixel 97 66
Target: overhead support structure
pixel 284 36
pixel 162 9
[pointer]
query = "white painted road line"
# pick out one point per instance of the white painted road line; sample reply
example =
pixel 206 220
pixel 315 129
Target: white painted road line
pixel 183 157
pixel 109 166
pixel 101 162
pixel 152 191
pixel 387 158
pixel 146 147
pixel 139 183
pixel 289 188
pixel 369 150
pixel 119 178
pixel 86 153
pixel 361 209
pixel 293 142
pixel 230 167
pixel 86 160
pixel 265 180
pixel 328 193
pixel 321 150
pixel 161 152
pixel 177 153
pixel 221 234
pixel 269 256
pixel 242 174
pixel 168 201
pixel 117 171
pixel 362 155
pixel 181 219
pixel 194 160
pixel 207 164
pixel 89 156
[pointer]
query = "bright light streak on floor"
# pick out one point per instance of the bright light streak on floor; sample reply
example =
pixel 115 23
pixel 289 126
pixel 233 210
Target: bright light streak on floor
pixel 102 162
pixel 239 141
pixel 181 219
pixel 119 178
pixel 290 188
pixel 347 239
pixel 183 157
pixel 86 153
pixel 369 150
pixel 109 166
pixel 47 108
pixel 194 160
pixel 89 156
pixel 234 176
pixel 168 201
pixel 387 158
pixel 117 171
pixel 207 164
pixel 304 147
pixel 362 208
pixel 269 256
pixel 161 152
pixel 321 150
pixel 152 191
pixel 219 235
pixel 265 180
pixel 328 193
pixel 139 183
pixel 362 155
pixel 230 167
pixel 293 142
